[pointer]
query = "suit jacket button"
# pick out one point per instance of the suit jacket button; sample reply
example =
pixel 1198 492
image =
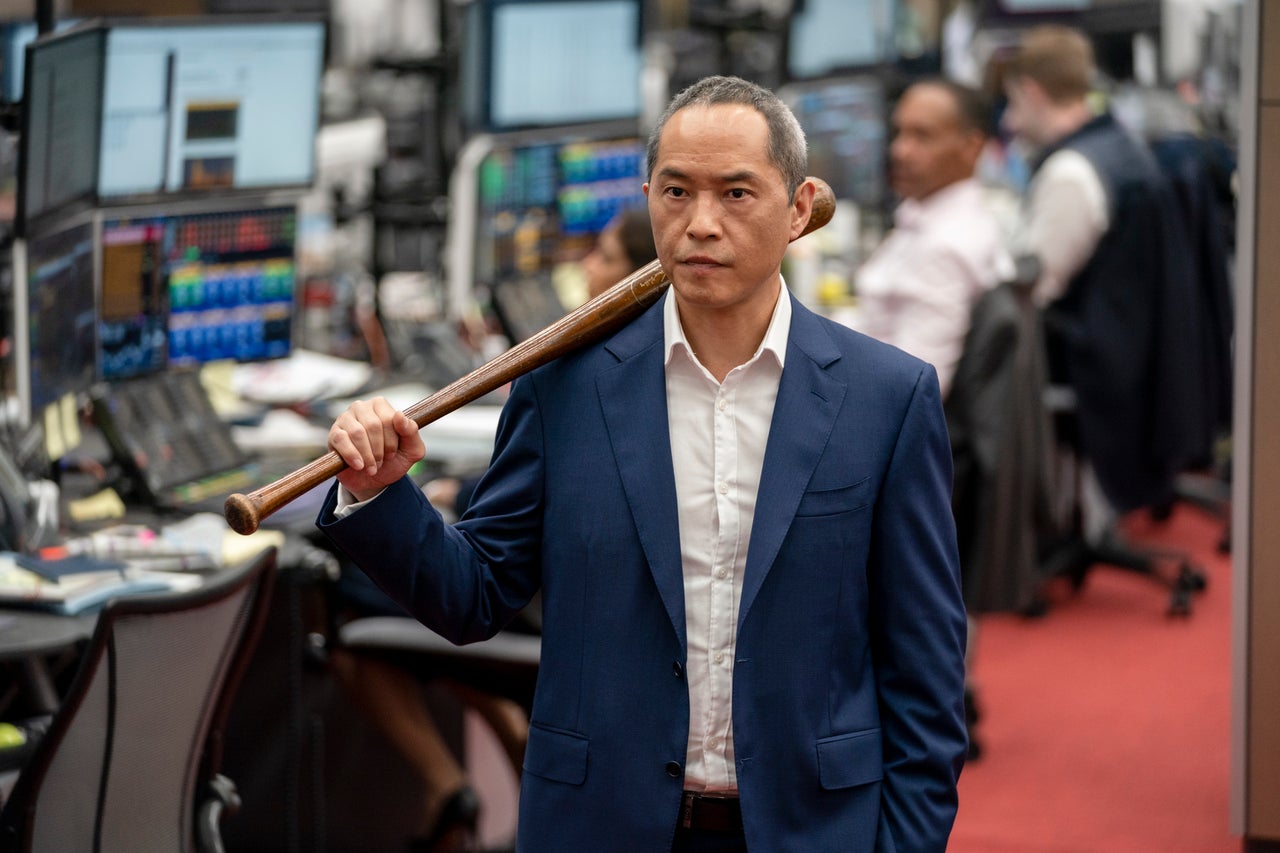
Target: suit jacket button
pixel 674 769
pixel 677 669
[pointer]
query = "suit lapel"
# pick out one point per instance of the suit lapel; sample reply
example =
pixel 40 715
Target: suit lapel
pixel 633 398
pixel 809 399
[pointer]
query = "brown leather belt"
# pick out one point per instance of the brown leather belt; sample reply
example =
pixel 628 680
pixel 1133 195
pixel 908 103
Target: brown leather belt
pixel 710 812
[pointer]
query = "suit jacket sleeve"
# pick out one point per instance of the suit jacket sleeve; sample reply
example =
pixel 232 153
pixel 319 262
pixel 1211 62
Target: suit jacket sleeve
pixel 464 581
pixel 918 631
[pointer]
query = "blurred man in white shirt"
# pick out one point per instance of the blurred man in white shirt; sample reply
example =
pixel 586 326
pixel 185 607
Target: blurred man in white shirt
pixel 946 249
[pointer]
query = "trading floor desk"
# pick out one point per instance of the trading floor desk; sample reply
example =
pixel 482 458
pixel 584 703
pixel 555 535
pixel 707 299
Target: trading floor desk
pixel 28 638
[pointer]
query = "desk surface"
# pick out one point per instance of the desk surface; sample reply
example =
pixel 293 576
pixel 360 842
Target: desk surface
pixel 24 633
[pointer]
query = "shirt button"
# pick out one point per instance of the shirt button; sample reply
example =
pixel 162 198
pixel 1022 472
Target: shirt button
pixel 721 573
pixel 674 769
pixel 718 657
pixel 713 744
pixel 724 488
pixel 722 404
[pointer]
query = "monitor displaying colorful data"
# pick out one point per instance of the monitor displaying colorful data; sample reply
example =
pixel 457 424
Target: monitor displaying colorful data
pixel 542 203
pixel 133 322
pixel 188 289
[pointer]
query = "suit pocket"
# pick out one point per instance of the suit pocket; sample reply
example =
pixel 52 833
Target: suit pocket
pixel 845 761
pixel 816 502
pixel 556 755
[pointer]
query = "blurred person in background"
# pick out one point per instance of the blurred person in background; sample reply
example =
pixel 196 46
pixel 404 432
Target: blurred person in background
pixel 624 246
pixel 1124 329
pixel 946 249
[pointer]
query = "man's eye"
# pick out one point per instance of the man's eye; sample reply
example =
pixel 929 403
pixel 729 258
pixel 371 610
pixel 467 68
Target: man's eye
pixel 737 193
pixel 676 192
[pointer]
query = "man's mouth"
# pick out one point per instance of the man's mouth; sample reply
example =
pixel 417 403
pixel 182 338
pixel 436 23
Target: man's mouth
pixel 701 261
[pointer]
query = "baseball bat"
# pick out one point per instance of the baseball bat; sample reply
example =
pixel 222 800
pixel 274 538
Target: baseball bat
pixel 594 320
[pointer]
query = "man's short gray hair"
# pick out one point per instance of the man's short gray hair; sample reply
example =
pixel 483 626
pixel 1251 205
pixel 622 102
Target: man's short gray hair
pixel 787 148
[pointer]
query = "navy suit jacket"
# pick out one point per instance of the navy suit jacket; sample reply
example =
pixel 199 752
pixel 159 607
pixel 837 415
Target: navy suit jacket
pixel 848 724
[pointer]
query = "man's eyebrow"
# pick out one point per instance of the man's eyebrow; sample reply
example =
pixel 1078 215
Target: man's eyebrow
pixel 739 177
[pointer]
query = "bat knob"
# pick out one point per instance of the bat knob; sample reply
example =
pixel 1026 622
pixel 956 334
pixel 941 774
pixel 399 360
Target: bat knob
pixel 242 514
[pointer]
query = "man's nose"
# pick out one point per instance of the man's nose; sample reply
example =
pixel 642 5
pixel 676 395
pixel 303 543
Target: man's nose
pixel 704 218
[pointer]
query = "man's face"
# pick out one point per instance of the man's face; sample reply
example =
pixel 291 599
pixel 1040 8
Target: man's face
pixel 931 149
pixel 1024 117
pixel 721 213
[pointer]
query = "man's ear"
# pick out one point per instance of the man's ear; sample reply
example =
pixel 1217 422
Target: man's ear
pixel 801 207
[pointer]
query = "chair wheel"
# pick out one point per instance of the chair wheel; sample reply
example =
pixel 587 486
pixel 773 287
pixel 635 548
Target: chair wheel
pixel 1189 577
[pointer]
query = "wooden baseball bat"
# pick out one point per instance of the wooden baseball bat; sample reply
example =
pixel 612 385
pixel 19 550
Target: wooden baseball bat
pixel 608 312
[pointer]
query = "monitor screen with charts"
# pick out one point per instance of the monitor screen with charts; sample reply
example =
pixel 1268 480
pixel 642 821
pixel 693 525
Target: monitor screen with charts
pixel 187 289
pixel 543 200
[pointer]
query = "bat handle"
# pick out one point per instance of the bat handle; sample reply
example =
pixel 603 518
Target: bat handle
pixel 244 513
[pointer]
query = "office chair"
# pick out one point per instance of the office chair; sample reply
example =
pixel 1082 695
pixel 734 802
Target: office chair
pixel 1073 556
pixel 1001 440
pixel 131 758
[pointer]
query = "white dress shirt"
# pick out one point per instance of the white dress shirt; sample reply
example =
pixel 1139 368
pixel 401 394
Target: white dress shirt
pixel 917 289
pixel 718 433
pixel 1066 216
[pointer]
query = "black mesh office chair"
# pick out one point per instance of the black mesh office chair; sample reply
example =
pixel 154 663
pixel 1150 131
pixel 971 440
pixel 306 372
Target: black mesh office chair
pixel 130 761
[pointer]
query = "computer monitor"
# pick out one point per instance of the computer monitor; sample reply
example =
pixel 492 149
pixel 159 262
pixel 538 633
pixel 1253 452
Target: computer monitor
pixel 14 38
pixel 180 290
pixel 845 121
pixel 230 280
pixel 1039 7
pixel 58 161
pixel 133 317
pixel 54 316
pixel 543 199
pixel 830 36
pixel 545 63
pixel 208 107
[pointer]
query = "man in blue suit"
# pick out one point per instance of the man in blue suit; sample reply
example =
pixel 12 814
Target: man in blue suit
pixel 738 514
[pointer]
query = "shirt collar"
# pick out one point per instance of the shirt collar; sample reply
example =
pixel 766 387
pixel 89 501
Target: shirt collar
pixel 912 213
pixel 775 337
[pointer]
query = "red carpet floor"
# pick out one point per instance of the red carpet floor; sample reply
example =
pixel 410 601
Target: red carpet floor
pixel 1106 723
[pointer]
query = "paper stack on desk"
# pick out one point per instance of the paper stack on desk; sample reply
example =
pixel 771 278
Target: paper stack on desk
pixel 77 583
